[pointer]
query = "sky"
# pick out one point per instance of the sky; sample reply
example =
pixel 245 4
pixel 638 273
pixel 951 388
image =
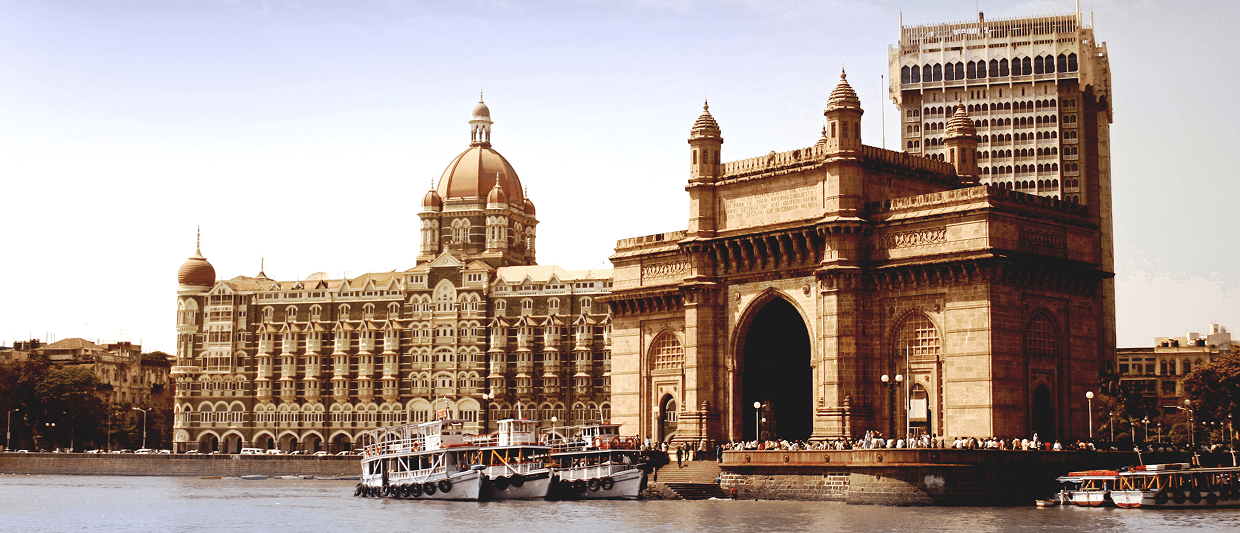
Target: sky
pixel 301 135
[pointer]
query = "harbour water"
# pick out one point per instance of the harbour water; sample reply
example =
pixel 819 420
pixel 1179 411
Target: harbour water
pixel 103 503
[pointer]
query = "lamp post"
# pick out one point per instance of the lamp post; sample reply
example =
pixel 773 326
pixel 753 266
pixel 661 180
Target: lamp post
pixel 8 426
pixel 1230 440
pixel 1145 425
pixel 1160 432
pixel 143 424
pixel 487 397
pixel 1089 397
pixel 757 421
pixel 553 421
pixel 891 392
pixel 1192 435
pixel 50 428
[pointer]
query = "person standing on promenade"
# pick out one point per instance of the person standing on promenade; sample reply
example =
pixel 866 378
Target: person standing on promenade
pixel 680 453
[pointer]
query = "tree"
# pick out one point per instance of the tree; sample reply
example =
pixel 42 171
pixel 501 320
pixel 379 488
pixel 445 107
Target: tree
pixel 1214 387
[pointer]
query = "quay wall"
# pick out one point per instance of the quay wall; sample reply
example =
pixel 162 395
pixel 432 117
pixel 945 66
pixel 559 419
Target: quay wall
pixel 176 465
pixel 913 476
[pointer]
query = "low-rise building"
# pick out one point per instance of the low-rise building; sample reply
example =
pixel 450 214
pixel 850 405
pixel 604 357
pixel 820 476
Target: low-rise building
pixel 1159 371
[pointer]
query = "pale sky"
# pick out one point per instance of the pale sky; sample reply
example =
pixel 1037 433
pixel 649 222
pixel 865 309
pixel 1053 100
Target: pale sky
pixel 306 133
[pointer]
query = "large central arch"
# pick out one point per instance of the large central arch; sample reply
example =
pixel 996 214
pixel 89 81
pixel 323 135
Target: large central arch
pixel 776 372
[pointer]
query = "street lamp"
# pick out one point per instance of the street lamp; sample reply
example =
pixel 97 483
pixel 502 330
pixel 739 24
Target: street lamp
pixel 1111 422
pixel 1145 425
pixel 757 421
pixel 8 425
pixel 1160 432
pixel 891 392
pixel 1192 435
pixel 1089 397
pixel 553 421
pixel 143 424
pixel 1230 441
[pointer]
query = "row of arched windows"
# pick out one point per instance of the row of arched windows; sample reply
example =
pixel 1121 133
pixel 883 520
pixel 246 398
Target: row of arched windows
pixel 995 68
pixel 1021 169
pixel 1017 107
pixel 1023 152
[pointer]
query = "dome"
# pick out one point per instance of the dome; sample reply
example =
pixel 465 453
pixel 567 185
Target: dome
pixel 843 97
pixel 481 110
pixel 529 206
pixel 497 196
pixel 432 201
pixel 478 169
pixel 705 125
pixel 196 271
pixel 960 124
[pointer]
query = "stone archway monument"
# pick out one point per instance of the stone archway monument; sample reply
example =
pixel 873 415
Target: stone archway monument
pixel 805 276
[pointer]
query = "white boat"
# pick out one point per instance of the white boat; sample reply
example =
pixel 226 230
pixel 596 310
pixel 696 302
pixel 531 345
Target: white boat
pixel 595 462
pixel 512 461
pixel 1177 485
pixel 1090 488
pixel 431 460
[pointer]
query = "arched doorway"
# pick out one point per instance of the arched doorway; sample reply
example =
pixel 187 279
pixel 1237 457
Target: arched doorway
pixel 1043 415
pixel 777 374
pixel 669 418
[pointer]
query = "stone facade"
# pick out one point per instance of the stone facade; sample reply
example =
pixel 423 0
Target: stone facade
pixel 1158 372
pixel 845 288
pixel 476 330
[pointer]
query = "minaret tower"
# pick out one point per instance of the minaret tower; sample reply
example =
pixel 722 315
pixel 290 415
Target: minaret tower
pixel 843 120
pixel 960 140
pixel 480 124
pixel 706 167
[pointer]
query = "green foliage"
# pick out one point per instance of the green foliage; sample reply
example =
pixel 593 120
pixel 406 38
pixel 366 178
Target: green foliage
pixel 56 407
pixel 1214 387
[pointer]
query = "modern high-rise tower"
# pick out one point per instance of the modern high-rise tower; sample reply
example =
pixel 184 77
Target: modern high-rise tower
pixel 1038 90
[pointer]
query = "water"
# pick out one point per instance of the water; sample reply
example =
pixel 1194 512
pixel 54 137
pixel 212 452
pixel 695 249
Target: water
pixel 99 503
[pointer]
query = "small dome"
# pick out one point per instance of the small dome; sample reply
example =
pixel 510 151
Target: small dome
pixel 481 110
pixel 843 97
pixel 705 125
pixel 432 201
pixel 497 196
pixel 196 271
pixel 960 124
pixel 529 206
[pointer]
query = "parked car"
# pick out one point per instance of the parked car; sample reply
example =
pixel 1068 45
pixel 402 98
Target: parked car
pixel 251 451
pixel 193 452
pixel 145 451
pixel 164 452
pixel 320 453
pixel 274 451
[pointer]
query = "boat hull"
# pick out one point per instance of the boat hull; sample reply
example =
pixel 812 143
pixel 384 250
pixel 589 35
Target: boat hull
pixel 534 486
pixel 1173 499
pixel 465 486
pixel 593 484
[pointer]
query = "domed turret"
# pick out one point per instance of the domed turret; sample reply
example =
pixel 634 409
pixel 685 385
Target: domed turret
pixel 705 125
pixel 843 120
pixel 529 206
pixel 473 173
pixel 960 124
pixel 432 201
pixel 843 96
pixel 196 271
pixel 960 143
pixel 497 198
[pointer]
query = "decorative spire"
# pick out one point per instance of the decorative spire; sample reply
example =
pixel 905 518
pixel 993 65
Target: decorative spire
pixel 843 97
pixel 705 125
pixel 960 125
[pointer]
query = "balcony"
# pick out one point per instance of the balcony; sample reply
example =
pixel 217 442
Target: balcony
pixel 391 369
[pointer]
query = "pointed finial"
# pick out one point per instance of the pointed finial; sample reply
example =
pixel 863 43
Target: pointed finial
pixel 705 104
pixel 480 94
pixel 198 241
pixel 843 75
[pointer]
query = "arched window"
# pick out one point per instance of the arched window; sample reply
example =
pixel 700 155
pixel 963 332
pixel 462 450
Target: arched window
pixel 1062 63
pixel 927 73
pixel 915 72
pixel 917 338
pixel 1071 62
pixel 1003 67
pixel 938 73
pixel 906 75
pixel 994 68
pixel 971 71
pixel 667 352
pixel 1040 336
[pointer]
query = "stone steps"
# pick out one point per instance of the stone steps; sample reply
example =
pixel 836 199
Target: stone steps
pixel 698 491
pixel 692 472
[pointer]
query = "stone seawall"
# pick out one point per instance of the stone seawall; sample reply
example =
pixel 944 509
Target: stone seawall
pixel 913 477
pixel 176 465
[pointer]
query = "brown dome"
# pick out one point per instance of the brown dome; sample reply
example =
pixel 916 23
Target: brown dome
pixel 529 206
pixel 196 271
pixel 960 124
pixel 843 97
pixel 481 110
pixel 497 196
pixel 432 201
pixel 476 170
pixel 705 125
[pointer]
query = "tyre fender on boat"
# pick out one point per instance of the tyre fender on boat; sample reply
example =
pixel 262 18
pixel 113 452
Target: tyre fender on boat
pixel 593 484
pixel 1162 497
pixel 415 490
pixel 517 481
pixel 1194 497
pixel 445 486
pixel 579 486
pixel 357 491
pixel 607 483
pixel 1212 498
pixel 501 483
pixel 1224 495
pixel 428 488
pixel 1180 497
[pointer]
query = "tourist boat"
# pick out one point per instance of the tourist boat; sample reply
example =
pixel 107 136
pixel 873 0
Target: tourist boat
pixel 431 460
pixel 513 461
pixel 595 462
pixel 1090 488
pixel 1177 485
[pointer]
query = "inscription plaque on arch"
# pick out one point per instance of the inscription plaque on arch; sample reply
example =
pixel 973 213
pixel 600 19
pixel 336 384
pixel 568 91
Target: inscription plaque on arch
pixel 765 206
